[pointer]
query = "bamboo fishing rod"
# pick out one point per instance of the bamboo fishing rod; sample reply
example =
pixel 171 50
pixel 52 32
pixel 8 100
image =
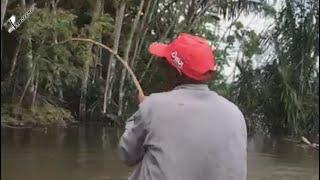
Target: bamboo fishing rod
pixel 123 62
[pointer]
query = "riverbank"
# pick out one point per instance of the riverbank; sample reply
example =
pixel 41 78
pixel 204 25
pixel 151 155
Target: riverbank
pixel 14 115
pixel 18 117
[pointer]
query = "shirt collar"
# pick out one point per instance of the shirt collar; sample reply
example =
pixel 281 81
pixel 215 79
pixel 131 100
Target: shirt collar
pixel 193 87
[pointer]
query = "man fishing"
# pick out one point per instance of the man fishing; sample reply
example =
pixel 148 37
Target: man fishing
pixel 189 132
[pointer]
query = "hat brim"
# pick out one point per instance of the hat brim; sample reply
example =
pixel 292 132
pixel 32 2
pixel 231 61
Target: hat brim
pixel 158 49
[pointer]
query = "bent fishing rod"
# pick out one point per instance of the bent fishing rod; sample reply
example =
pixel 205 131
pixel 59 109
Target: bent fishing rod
pixel 123 62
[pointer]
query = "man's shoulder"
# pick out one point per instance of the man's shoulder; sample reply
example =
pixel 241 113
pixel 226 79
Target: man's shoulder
pixel 162 99
pixel 156 98
pixel 152 102
pixel 227 103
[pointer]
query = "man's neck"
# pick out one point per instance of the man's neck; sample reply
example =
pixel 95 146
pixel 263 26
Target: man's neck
pixel 198 86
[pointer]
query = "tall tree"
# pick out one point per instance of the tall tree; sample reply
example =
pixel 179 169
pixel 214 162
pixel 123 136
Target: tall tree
pixel 126 58
pixel 112 62
pixel 4 4
pixel 86 68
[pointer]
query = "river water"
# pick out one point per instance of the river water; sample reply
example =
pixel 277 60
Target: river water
pixel 89 153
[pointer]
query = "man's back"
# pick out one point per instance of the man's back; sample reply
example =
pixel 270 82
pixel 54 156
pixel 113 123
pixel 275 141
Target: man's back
pixel 190 133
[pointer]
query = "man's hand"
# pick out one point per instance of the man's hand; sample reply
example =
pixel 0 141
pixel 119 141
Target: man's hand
pixel 140 98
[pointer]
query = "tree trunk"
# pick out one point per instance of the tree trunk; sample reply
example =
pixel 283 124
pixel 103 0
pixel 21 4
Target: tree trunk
pixel 112 62
pixel 23 3
pixel 109 93
pixel 30 72
pixel 144 33
pixel 139 37
pixel 84 84
pixel 29 67
pixel 4 4
pixel 34 96
pixel 14 59
pixel 54 5
pixel 25 89
pixel 126 58
pixel 97 64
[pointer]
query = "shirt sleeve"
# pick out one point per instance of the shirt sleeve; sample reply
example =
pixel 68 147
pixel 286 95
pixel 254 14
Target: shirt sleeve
pixel 130 147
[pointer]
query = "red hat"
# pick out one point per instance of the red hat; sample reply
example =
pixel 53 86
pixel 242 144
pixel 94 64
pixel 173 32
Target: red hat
pixel 189 54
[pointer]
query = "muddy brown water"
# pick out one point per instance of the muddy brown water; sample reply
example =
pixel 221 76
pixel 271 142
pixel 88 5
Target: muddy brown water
pixel 89 153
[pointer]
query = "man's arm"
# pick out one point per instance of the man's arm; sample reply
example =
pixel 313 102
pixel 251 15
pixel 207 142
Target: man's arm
pixel 131 143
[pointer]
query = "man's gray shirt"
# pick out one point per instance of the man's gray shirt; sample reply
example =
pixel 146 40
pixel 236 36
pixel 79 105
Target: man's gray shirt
pixel 189 133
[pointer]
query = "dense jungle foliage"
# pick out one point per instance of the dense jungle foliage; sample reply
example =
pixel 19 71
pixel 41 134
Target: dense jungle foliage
pixel 275 80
